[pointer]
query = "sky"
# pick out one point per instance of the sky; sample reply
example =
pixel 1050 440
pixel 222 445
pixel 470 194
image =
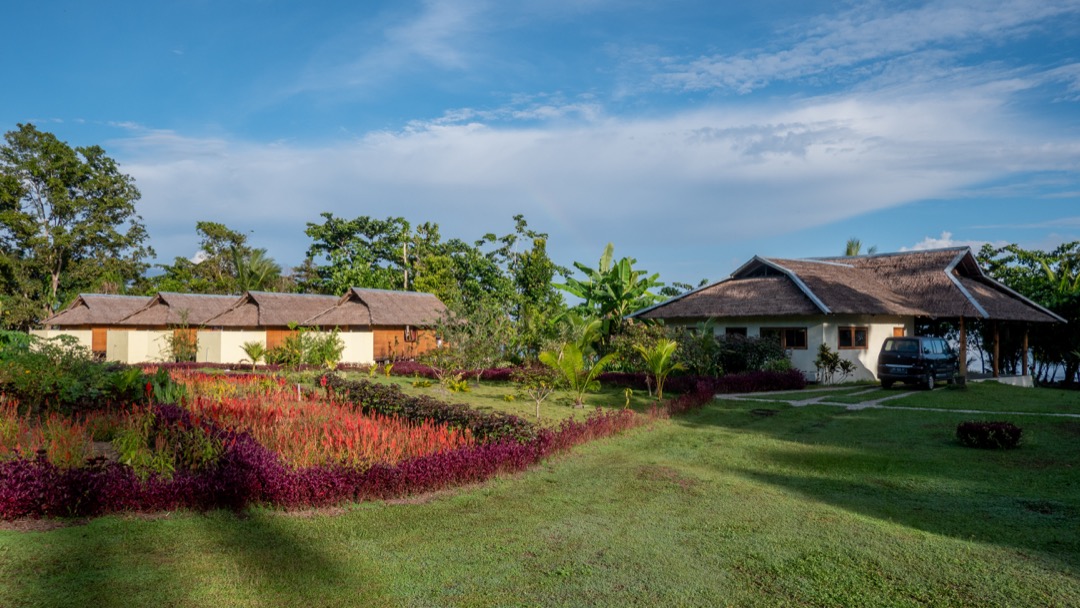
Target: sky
pixel 691 134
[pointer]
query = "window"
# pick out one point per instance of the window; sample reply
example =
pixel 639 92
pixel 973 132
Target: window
pixel 789 337
pixel 735 331
pixel 853 337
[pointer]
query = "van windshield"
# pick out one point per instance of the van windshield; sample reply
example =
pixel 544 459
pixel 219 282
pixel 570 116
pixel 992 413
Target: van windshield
pixel 902 346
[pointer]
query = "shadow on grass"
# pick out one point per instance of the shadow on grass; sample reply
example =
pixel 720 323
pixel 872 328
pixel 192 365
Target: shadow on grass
pixel 255 558
pixel 277 563
pixel 905 467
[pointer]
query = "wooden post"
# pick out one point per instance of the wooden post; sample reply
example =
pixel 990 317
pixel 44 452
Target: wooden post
pixel 997 351
pixel 1025 350
pixel 963 348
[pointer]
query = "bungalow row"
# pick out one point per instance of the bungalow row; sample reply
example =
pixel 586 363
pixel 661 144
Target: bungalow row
pixel 373 324
pixel 852 304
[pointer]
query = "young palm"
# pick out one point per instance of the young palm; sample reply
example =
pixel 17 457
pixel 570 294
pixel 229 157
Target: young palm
pixel 660 362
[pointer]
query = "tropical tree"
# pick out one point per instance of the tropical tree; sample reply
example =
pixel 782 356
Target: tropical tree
pixel 854 248
pixel 254 271
pixel 612 290
pixel 255 351
pixel 578 372
pixel 660 362
pixel 67 220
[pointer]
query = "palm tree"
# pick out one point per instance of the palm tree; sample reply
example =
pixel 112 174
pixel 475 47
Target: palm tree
pixel 659 362
pixel 255 271
pixel 854 248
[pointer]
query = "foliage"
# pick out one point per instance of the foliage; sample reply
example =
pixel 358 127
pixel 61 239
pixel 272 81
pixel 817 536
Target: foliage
pixel 625 342
pixel 307 346
pixel 538 383
pixel 255 351
pixel 612 290
pixel 829 363
pixel 989 435
pixel 1049 279
pixel 699 349
pixel 577 371
pixel 660 362
pixel 67 224
pixel 854 248
pixel 390 400
pixel 740 354
pixel 58 374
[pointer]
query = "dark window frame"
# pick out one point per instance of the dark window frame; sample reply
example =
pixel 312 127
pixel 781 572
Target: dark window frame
pixel 851 332
pixel 789 336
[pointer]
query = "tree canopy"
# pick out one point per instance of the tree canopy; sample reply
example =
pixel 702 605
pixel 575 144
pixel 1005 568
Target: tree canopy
pixel 67 224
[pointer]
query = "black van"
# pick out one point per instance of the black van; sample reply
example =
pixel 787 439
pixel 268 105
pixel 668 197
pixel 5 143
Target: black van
pixel 916 360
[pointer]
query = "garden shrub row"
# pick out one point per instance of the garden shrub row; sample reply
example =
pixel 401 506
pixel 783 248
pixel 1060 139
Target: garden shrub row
pixel 248 473
pixel 388 399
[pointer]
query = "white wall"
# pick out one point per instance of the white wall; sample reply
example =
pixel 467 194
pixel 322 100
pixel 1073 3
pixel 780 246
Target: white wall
pixel 84 336
pixel 137 346
pixel 359 347
pixel 826 329
pixel 226 346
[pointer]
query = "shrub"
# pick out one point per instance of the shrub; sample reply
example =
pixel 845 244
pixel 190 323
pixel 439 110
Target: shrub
pixel 391 400
pixel 989 435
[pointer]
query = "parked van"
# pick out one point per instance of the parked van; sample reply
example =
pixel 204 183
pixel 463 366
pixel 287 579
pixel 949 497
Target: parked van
pixel 916 360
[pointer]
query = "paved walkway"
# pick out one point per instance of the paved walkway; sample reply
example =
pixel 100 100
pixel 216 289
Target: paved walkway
pixel 820 396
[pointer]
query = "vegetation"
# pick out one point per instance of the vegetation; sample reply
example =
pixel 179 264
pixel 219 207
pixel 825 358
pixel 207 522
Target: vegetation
pixel 67 224
pixel 812 506
pixel 1052 280
pixel 660 363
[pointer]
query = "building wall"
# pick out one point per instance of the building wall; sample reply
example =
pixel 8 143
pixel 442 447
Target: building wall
pixel 226 346
pixel 393 342
pixel 827 330
pixel 359 346
pixel 84 336
pixel 137 346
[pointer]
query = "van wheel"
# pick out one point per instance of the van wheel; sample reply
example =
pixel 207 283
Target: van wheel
pixel 886 383
pixel 929 382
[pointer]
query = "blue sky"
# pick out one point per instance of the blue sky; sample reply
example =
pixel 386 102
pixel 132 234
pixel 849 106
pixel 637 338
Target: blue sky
pixel 691 134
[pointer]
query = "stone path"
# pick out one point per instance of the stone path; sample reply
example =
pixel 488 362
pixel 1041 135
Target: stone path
pixel 823 399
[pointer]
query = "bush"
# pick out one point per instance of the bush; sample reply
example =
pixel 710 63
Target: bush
pixel 60 375
pixel 989 435
pixel 388 399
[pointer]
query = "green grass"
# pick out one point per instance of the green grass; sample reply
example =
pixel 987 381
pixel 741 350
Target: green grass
pixel 813 506
pixel 488 396
pixel 996 397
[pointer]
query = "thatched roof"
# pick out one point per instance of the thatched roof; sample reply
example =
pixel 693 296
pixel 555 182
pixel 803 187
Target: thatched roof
pixel 96 309
pixel 940 283
pixel 265 309
pixel 382 308
pixel 170 309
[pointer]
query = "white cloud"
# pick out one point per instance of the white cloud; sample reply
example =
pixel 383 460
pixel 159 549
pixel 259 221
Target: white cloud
pixel 946 240
pixel 441 34
pixel 693 178
pixel 858 39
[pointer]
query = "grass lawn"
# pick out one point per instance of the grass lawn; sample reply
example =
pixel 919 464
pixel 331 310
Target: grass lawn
pixel 995 397
pixel 813 506
pixel 490 395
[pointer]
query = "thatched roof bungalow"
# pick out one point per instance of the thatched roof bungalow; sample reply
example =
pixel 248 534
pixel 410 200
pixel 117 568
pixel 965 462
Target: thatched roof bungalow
pixel 90 316
pixel 850 303
pixel 170 309
pixel 402 322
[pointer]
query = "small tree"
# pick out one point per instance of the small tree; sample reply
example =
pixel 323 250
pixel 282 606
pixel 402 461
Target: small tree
pixel 538 382
pixel 255 352
pixel 576 370
pixel 660 362
pixel 829 363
